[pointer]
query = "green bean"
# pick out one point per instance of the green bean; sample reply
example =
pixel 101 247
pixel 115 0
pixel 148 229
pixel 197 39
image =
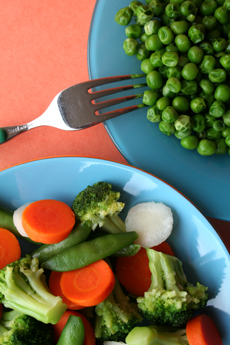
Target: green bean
pixel 90 251
pixel 73 332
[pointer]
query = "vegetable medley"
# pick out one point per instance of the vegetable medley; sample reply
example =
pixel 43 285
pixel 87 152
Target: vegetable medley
pixel 95 280
pixel 184 50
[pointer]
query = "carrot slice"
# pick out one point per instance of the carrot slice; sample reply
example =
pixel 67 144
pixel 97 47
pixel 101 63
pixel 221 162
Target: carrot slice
pixel 89 332
pixel 133 271
pixel 89 285
pixel 48 221
pixel 10 249
pixel 201 330
pixel 55 288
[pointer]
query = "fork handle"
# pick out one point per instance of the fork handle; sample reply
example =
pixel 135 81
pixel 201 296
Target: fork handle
pixel 7 133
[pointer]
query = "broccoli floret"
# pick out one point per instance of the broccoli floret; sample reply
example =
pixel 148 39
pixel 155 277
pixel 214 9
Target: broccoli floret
pixel 98 204
pixel 171 299
pixel 23 288
pixel 115 316
pixel 156 335
pixel 21 329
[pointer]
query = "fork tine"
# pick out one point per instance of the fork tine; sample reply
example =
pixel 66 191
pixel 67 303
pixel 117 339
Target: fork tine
pixel 109 103
pixel 115 113
pixel 101 81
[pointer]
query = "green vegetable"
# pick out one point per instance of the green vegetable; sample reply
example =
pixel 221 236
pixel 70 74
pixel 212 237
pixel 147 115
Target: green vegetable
pixel 166 35
pixel 150 97
pixel 156 335
pixel 171 299
pixel 124 16
pixel 163 103
pixel 152 27
pixel 90 251
pixel 133 31
pixel 179 27
pixel 6 221
pixel 206 147
pixel 174 84
pixel 198 123
pixel 197 105
pixel 154 80
pixel 154 114
pixel 73 332
pixel 183 43
pixel 190 71
pixel 130 46
pixel 80 233
pixel 170 59
pixel 21 329
pixel 195 54
pixel 98 204
pixel 183 123
pixel 222 147
pixel 190 142
pixel 169 115
pixel 144 13
pixel 133 5
pixel 166 128
pixel 153 43
pixel 217 109
pixel 181 104
pixel 23 288
pixel 115 316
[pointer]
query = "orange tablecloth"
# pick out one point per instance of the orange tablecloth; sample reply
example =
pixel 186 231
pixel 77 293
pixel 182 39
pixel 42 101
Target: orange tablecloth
pixel 43 48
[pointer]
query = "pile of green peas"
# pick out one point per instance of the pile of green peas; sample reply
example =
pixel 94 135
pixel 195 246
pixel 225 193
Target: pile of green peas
pixel 184 50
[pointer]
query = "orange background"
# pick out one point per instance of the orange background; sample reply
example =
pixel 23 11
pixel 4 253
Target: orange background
pixel 43 47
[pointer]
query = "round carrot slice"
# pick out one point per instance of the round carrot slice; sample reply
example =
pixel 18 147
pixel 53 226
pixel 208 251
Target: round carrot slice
pixel 10 249
pixel 90 285
pixel 48 221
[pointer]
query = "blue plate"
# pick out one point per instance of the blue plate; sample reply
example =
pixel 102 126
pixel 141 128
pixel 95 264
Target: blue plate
pixel 204 180
pixel 194 241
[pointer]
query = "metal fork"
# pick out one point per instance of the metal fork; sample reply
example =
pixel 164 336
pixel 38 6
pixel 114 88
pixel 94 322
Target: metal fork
pixel 75 108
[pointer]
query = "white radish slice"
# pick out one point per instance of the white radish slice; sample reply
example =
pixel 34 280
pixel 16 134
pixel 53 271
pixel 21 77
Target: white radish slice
pixel 17 219
pixel 152 221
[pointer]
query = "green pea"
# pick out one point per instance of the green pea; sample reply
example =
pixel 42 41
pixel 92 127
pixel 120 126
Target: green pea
pixel 154 80
pixel 218 125
pixel 158 7
pixel 167 92
pixel 209 120
pixel 153 43
pixel 130 46
pixel 166 128
pixel 169 115
pixel 227 140
pixel 217 109
pixel 226 118
pixel 144 13
pixel 174 84
pixel 163 103
pixel 171 48
pixel 226 132
pixel 146 66
pixel 196 33
pixel 190 142
pixel 154 114
pixel 150 97
pixel 222 147
pixel 212 134
pixel 166 35
pixel 172 10
pixel 170 59
pixel 143 37
pixel 207 48
pixel 152 27
pixel 198 123
pixel 217 75
pixel 222 93
pixel 208 7
pixel 225 62
pixel 133 31
pixel 226 4
pixel 133 5
pixel 206 147
pixel 190 71
pixel 195 54
pixel 209 99
pixel 156 58
pixel 222 14
pixel 219 44
pixel 183 60
pixel 197 105
pixel 173 72
pixel 124 16
pixel 184 134
pixel 180 27
pixel 187 7
pixel 189 87
pixel 183 123
pixel 182 42
pixel 207 64
pixel 142 52
pixel 181 104
pixel 207 86
pixel 209 22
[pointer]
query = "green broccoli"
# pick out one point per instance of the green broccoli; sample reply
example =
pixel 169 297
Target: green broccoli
pixel 23 288
pixel 98 204
pixel 156 335
pixel 171 299
pixel 115 316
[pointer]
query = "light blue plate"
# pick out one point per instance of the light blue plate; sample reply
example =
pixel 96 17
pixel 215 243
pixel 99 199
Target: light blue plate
pixel 204 180
pixel 194 241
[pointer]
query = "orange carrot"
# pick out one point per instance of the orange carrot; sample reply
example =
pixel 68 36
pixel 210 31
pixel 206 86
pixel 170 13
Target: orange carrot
pixel 55 288
pixel 48 221
pixel 10 249
pixel 90 285
pixel 133 271
pixel 201 330
pixel 89 332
